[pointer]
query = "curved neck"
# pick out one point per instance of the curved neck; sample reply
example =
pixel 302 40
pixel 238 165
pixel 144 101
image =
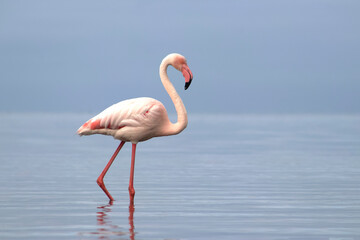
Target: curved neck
pixel 179 106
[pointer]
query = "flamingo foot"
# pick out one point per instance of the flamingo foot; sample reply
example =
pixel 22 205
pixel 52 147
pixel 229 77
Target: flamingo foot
pixel 100 180
pixel 101 184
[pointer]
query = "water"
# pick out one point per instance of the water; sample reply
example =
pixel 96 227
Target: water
pixel 254 177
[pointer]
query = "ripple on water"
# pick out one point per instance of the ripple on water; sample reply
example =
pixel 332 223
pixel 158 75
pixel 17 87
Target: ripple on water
pixel 255 177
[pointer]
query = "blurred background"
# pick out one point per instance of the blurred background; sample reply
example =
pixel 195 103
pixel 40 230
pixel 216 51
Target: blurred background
pixel 246 56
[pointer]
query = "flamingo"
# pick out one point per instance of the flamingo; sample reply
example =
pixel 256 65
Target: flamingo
pixel 139 119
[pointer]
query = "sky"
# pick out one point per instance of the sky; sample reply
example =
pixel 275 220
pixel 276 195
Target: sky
pixel 300 56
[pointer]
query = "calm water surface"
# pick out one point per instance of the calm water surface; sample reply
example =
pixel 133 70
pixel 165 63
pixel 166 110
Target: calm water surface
pixel 224 177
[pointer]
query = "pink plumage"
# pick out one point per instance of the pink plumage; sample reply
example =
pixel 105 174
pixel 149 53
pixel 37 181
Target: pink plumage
pixel 140 119
pixel 132 120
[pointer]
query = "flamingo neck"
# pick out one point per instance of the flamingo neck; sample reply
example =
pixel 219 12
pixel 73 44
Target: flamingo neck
pixel 173 128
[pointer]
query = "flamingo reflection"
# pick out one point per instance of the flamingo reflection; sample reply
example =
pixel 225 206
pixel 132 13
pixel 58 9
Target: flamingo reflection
pixel 107 230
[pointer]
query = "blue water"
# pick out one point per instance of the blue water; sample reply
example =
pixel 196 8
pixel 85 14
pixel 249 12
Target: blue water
pixel 225 177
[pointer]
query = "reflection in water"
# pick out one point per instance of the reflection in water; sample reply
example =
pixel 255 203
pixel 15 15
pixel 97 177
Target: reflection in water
pixel 108 230
pixel 131 221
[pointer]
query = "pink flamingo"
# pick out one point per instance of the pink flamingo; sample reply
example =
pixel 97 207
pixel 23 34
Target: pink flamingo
pixel 139 119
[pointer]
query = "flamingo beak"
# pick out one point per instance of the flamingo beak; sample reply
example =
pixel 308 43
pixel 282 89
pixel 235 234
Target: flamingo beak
pixel 187 75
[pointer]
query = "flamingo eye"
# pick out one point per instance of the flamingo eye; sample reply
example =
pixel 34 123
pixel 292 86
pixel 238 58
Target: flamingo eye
pixel 179 61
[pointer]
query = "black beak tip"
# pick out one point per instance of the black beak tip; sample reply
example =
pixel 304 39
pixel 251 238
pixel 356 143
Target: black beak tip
pixel 187 84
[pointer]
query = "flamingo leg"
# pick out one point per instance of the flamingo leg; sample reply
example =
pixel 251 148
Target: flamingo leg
pixel 131 181
pixel 100 180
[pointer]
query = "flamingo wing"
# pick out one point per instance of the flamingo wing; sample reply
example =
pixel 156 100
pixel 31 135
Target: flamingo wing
pixel 129 113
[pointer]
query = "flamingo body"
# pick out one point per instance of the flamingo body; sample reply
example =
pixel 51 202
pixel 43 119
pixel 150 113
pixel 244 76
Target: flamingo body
pixel 139 119
pixel 133 120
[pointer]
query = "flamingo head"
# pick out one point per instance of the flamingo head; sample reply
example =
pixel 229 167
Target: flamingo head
pixel 179 62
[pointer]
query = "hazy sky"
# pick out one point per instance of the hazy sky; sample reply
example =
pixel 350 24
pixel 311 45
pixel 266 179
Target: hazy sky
pixel 246 56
